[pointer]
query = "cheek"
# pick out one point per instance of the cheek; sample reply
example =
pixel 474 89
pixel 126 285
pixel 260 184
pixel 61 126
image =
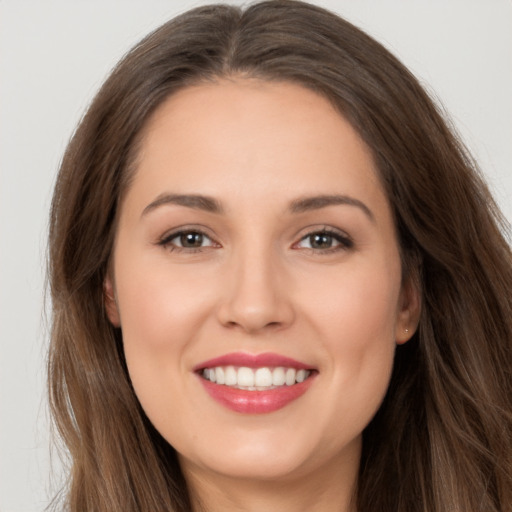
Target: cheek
pixel 158 306
pixel 359 307
pixel 160 313
pixel 356 321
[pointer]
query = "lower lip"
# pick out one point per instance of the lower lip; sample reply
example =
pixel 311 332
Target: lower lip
pixel 256 402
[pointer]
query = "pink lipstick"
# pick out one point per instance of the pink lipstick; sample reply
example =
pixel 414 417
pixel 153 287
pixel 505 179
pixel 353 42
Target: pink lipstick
pixel 255 384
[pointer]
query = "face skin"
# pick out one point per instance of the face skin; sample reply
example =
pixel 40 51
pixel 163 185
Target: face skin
pixel 257 283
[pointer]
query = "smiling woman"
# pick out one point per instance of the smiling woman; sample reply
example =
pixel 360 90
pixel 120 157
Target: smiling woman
pixel 265 281
pixel 278 282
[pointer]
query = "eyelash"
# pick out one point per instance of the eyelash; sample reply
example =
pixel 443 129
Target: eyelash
pixel 166 241
pixel 343 240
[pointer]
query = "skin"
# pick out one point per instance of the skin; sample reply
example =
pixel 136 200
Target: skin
pixel 257 284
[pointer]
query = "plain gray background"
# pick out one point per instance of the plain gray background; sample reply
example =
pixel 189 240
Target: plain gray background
pixel 53 57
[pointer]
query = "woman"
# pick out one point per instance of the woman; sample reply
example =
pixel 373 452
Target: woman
pixel 278 281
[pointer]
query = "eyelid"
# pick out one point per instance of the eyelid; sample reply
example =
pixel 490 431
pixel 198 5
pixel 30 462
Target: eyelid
pixel 165 240
pixel 345 241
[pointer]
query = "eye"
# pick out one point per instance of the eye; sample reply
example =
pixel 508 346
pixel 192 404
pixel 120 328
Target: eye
pixel 325 240
pixel 190 239
pixel 187 239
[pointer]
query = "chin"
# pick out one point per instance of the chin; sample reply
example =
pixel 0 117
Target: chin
pixel 270 456
pixel 261 466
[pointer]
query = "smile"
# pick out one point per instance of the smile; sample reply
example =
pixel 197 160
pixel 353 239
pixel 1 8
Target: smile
pixel 255 384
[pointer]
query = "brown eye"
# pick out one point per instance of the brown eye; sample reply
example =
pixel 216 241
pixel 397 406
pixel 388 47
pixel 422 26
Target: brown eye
pixel 321 241
pixel 191 239
pixel 325 241
pixel 183 240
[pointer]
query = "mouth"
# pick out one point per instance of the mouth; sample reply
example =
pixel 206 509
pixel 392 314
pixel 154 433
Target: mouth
pixel 255 384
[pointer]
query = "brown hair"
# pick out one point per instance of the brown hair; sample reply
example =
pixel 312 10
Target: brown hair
pixel 442 439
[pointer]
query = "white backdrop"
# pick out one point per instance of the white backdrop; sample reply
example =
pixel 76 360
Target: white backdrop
pixel 53 57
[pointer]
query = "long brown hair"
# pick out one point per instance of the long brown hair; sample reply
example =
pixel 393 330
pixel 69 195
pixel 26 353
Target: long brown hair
pixel 442 439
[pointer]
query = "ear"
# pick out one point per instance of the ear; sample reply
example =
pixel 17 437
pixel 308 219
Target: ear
pixel 409 309
pixel 109 297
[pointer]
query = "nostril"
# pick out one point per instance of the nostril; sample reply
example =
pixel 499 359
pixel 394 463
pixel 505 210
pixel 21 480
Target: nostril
pixel 252 326
pixel 252 306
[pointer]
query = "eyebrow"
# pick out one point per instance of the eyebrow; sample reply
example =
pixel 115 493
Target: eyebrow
pixel 195 201
pixel 307 204
pixel 212 205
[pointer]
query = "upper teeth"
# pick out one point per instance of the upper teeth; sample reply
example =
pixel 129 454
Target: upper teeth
pixel 255 378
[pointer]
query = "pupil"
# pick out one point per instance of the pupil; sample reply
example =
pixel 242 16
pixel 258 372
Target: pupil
pixel 191 240
pixel 321 241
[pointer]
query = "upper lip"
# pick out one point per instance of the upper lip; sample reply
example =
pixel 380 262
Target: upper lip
pixel 253 361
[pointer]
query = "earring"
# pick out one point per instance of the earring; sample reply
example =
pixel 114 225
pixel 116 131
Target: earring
pixel 406 331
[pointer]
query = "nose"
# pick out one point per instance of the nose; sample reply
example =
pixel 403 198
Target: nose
pixel 257 294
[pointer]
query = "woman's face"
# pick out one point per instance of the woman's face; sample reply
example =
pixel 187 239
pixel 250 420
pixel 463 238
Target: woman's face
pixel 256 248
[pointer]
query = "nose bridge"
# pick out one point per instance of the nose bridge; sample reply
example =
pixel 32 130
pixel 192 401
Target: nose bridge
pixel 256 296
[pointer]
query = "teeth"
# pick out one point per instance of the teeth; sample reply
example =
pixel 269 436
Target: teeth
pixel 290 376
pixel 301 375
pixel 278 376
pixel 220 375
pixel 231 378
pixel 263 377
pixel 255 379
pixel 245 377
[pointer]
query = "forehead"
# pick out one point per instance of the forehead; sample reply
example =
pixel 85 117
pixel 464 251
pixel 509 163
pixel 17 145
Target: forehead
pixel 272 138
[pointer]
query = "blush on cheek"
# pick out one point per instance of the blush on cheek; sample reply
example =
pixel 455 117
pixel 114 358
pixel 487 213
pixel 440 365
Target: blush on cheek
pixel 360 327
